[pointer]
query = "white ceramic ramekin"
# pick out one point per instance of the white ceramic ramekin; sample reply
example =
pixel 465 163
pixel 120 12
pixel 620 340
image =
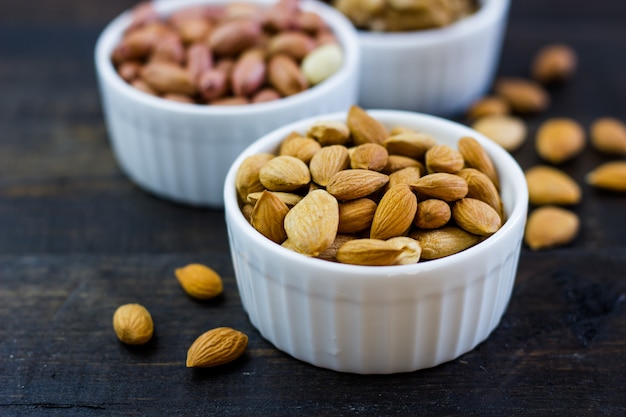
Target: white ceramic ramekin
pixel 438 71
pixel 379 320
pixel 183 151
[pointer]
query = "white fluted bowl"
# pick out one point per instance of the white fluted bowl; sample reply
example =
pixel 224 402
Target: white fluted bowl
pixel 183 151
pixel 378 320
pixel 438 71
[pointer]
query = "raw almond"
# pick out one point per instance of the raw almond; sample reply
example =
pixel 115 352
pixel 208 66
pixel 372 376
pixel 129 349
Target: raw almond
pixel 247 179
pixel 488 106
pixel 409 143
pixel 609 176
pixel 476 157
pixel 364 128
pixel 609 135
pixel 554 63
pixel 133 324
pixel 404 176
pixel 329 132
pixel 432 213
pixel 268 217
pixel 411 250
pixel 356 215
pixel 394 214
pixel 216 347
pixel 507 131
pixel 548 185
pixel 370 252
pixel 441 185
pixel 442 158
pixel 444 241
pixel 398 162
pixel 284 173
pixel 290 199
pixel 350 184
pixel 301 148
pixel 312 224
pixel 550 226
pixel 476 217
pixel 199 281
pixel 559 140
pixel 330 253
pixel 523 96
pixel 368 156
pixel 327 162
pixel 480 187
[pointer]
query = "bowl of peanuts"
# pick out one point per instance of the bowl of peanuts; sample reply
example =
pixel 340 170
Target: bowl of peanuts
pixel 187 85
pixel 431 56
pixel 375 241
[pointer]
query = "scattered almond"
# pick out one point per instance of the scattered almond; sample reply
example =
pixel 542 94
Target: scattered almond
pixel 216 347
pixel 523 96
pixel 554 63
pixel 488 106
pixel 507 131
pixel 199 281
pixel 609 135
pixel 559 140
pixel 133 324
pixel 609 176
pixel 550 226
pixel 549 185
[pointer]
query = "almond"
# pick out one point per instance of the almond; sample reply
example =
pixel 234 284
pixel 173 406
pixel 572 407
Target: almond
pixel 432 213
pixel 133 324
pixel 290 199
pixel 444 241
pixel 351 184
pixel 409 143
pixel 480 187
pixel 327 162
pixel 398 162
pixel 370 252
pixel 548 185
pixel 609 176
pixel 301 148
pixel 609 135
pixel 523 96
pixel 330 253
pixel 488 106
pixel 411 250
pixel 268 217
pixel 216 347
pixel 364 128
pixel 199 281
pixel 312 224
pixel 368 156
pixel 476 157
pixel 510 132
pixel 284 173
pixel 442 158
pixel 356 215
pixel 247 179
pixel 404 176
pixel 554 63
pixel 559 140
pixel 441 185
pixel 476 217
pixel 329 132
pixel 550 226
pixel 394 214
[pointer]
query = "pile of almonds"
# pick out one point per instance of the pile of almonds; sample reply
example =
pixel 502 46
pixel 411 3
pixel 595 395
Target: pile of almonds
pixel 133 323
pixel 557 141
pixel 358 193
pixel 404 15
pixel 230 54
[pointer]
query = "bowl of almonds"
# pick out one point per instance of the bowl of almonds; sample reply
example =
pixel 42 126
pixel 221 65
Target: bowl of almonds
pixel 376 241
pixel 430 56
pixel 187 85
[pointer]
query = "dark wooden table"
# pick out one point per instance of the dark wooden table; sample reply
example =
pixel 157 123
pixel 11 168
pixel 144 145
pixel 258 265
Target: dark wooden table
pixel 77 239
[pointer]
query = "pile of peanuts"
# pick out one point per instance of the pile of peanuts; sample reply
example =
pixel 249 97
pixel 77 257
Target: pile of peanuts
pixel 228 54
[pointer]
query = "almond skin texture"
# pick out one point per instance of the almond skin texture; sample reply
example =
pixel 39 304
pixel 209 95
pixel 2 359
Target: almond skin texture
pixel 408 143
pixel 442 158
pixel 216 347
pixel 550 226
pixel 480 187
pixel 610 176
pixel 284 173
pixel 395 213
pixel 199 281
pixel 327 162
pixel 548 185
pixel 364 128
pixel 312 224
pixel 608 135
pixel 559 140
pixel 476 217
pixel 350 184
pixel 432 213
pixel 356 215
pixel 133 324
pixel 441 185
pixel 476 157
pixel 329 133
pixel 268 217
pixel 301 148
pixel 370 252
pixel 444 241
pixel 247 179
pixel 369 156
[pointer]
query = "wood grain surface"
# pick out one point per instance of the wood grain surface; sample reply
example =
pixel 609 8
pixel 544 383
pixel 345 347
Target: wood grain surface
pixel 77 239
